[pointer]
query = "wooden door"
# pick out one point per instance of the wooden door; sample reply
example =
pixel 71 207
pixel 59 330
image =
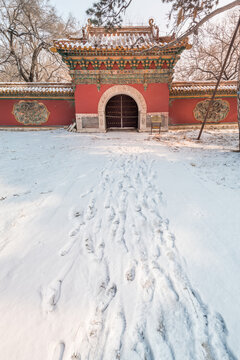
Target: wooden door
pixel 122 112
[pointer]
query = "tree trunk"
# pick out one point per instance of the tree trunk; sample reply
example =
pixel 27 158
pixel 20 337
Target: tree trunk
pixel 219 79
pixel 238 101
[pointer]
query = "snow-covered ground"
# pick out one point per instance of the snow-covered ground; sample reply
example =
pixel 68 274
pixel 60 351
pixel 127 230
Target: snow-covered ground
pixel 119 246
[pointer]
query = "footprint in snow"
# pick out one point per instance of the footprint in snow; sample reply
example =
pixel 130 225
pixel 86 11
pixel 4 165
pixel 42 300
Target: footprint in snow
pixel 58 352
pixel 76 356
pixel 122 204
pixel 106 178
pixel 168 238
pixel 97 322
pixel 89 243
pixel 74 232
pixel 91 211
pixel 138 208
pixel 95 327
pixel 114 342
pixel 148 286
pixel 52 295
pixel 111 214
pixel 143 200
pixel 120 185
pixel 107 298
pixel 77 214
pixel 107 202
pixel 130 274
pixel 86 194
pixel 67 247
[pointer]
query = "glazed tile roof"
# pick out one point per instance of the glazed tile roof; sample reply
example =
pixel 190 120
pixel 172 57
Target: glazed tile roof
pixel 126 38
pixel 178 88
pixel 202 87
pixel 36 88
pixel 110 42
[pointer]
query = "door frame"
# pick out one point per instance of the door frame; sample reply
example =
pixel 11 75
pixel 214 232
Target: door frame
pixel 123 90
pixel 121 117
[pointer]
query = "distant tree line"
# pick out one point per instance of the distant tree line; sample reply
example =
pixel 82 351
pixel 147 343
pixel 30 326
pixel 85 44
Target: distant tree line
pixel 27 28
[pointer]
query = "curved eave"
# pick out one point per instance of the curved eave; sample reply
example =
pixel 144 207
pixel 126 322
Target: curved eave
pixel 125 52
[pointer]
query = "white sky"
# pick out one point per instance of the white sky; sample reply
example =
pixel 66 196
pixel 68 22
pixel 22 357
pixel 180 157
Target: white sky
pixel 140 11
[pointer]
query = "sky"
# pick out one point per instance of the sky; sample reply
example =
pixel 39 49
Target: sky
pixel 139 12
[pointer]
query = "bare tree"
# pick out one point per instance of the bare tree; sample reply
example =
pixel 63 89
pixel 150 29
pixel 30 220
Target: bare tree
pixel 190 14
pixel 108 12
pixel 204 61
pixel 27 28
pixel 238 98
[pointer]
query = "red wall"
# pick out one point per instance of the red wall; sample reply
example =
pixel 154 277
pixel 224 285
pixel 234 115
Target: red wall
pixel 181 110
pixel 62 112
pixel 87 97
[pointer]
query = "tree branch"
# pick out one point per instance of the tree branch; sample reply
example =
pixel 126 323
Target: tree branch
pixel 195 27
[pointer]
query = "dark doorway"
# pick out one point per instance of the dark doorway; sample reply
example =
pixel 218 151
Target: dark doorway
pixel 121 112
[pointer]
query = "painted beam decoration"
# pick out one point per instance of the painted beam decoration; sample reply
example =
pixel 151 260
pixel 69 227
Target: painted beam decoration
pixel 30 112
pixel 128 55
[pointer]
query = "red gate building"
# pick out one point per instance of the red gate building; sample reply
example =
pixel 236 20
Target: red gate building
pixel 120 79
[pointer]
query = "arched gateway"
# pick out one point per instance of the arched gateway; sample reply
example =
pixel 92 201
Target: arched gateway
pixel 122 101
pixel 121 113
pixel 129 62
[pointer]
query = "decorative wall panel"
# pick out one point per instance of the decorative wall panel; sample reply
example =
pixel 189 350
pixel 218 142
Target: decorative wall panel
pixel 30 112
pixel 218 111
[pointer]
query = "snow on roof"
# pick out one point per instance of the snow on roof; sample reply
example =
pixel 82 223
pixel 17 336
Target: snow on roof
pixel 36 88
pixel 126 38
pixel 178 88
pixel 202 87
pixel 110 41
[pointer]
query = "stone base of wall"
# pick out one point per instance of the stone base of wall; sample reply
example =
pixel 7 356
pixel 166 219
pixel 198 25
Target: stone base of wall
pixel 90 131
pixel 89 123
